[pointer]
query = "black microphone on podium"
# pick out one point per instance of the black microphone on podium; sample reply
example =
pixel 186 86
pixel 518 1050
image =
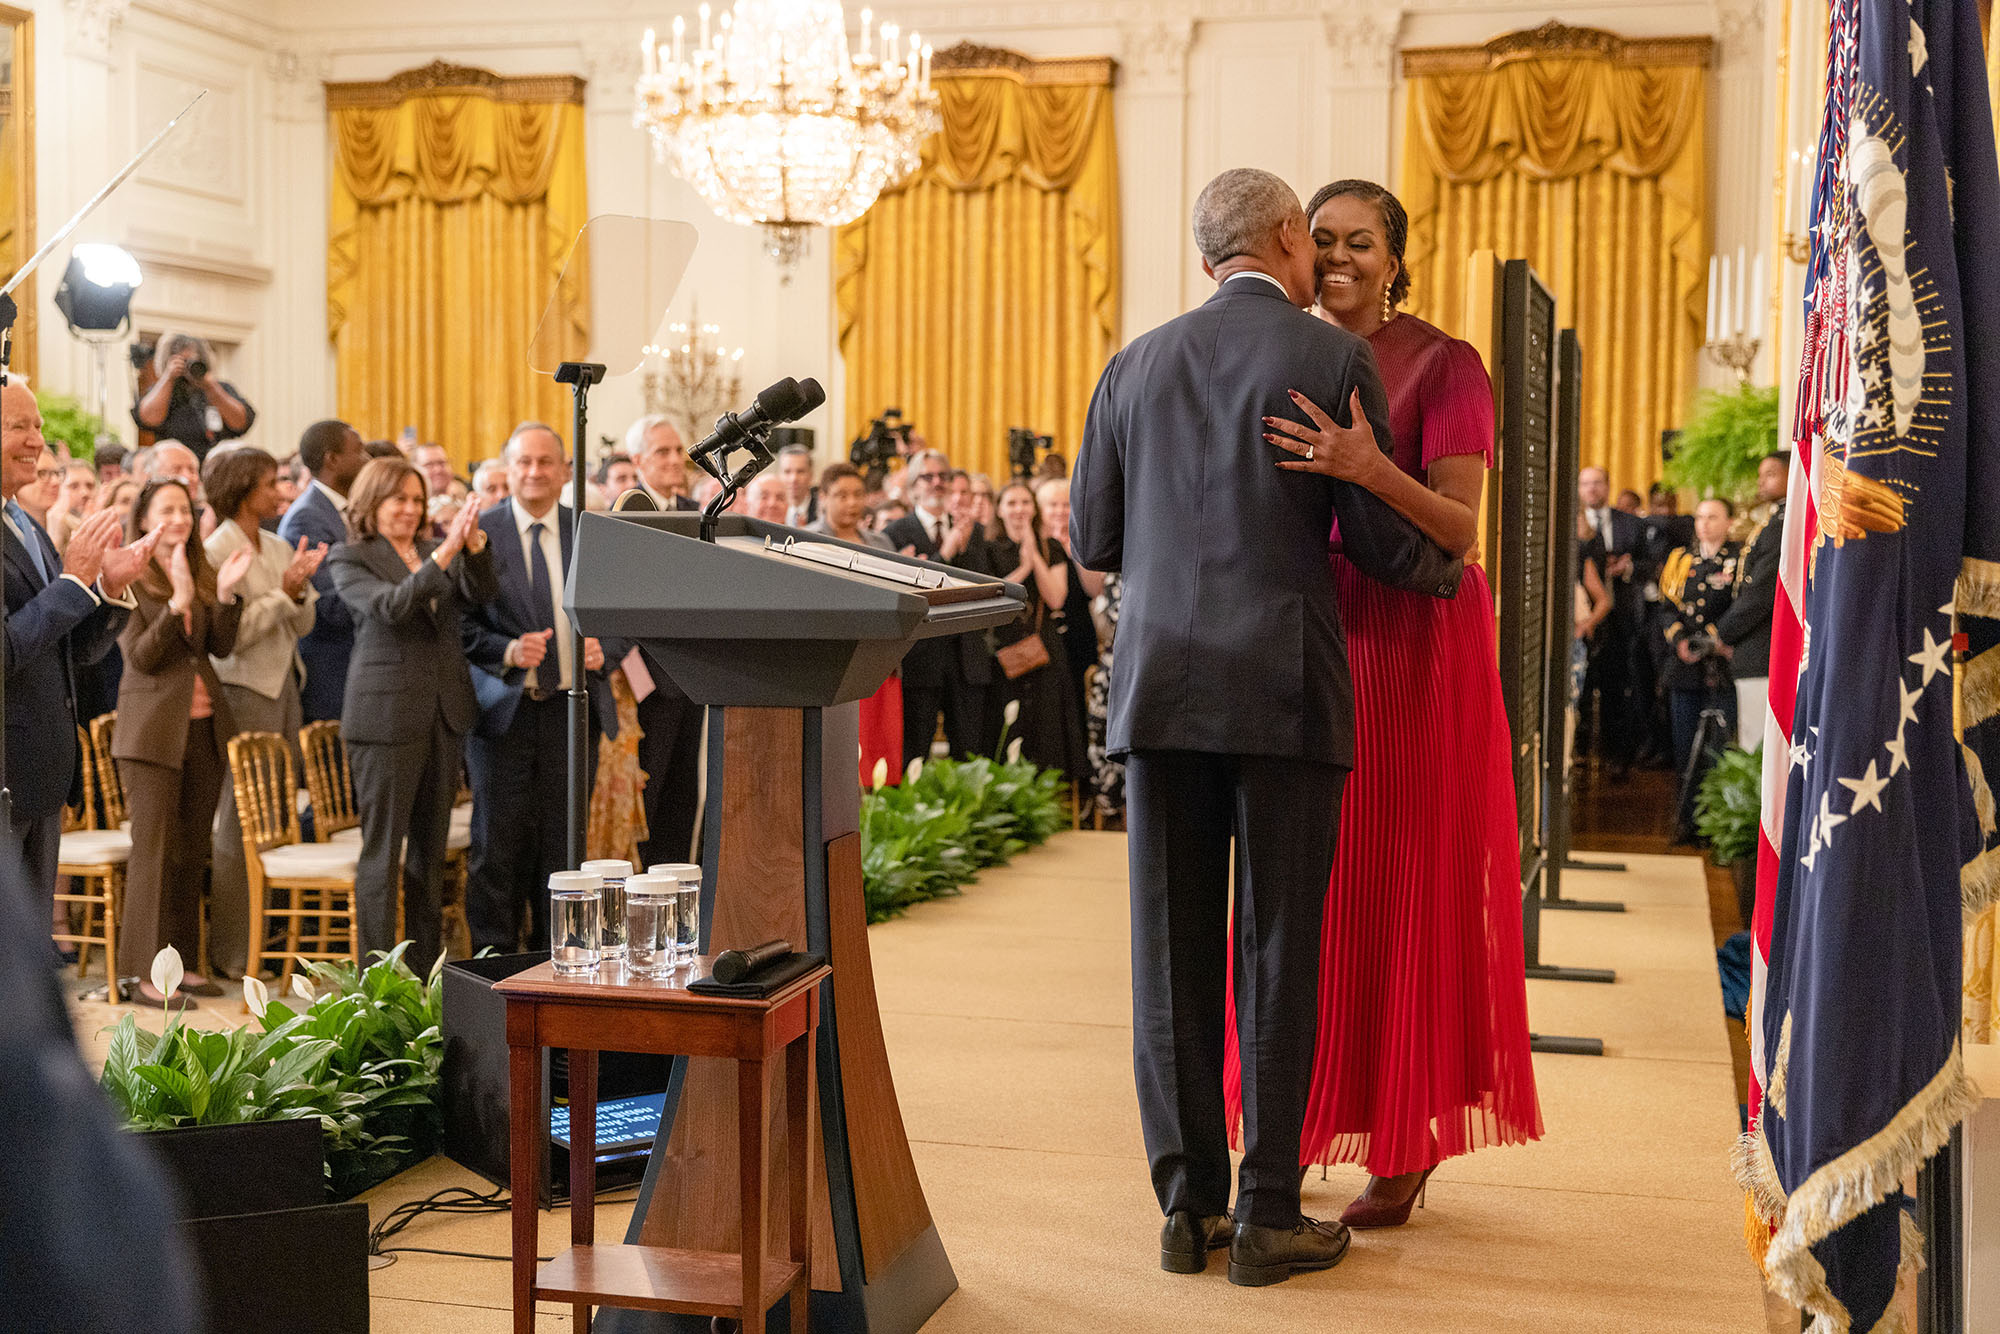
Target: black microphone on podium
pixel 787 400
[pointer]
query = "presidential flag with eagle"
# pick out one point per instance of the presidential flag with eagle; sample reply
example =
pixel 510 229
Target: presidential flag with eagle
pixel 1878 832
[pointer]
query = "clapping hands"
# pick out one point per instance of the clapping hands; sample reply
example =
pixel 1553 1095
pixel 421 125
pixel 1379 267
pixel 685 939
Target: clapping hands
pixel 464 534
pixel 303 566
pixel 234 567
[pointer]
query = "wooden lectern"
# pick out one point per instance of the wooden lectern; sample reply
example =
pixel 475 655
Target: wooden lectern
pixel 779 631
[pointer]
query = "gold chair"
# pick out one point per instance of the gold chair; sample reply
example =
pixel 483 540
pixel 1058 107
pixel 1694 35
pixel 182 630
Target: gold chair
pixel 110 787
pixel 307 880
pixel 93 860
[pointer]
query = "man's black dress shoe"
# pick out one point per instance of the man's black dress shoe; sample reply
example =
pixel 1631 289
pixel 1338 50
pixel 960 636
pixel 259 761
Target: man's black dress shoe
pixel 1260 1256
pixel 1185 1240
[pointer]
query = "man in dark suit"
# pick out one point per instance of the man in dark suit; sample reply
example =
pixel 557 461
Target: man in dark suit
pixel 63 612
pixel 520 647
pixel 332 453
pixel 1232 707
pixel 1745 629
pixel 1613 672
pixel 669 722
pixel 951 676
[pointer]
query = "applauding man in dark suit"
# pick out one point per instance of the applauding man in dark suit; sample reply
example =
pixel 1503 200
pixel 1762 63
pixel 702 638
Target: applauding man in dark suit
pixel 63 612
pixel 332 453
pixel 522 654
pixel 1232 706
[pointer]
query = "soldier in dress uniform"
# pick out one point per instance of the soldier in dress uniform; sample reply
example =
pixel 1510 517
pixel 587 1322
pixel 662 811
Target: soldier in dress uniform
pixel 1698 581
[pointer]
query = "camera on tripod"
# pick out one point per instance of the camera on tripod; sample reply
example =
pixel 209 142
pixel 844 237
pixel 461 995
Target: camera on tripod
pixel 876 450
pixel 1025 448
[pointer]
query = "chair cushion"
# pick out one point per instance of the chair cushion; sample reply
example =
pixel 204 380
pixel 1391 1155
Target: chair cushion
pixel 351 834
pixel 317 860
pixel 95 847
pixel 458 839
pixel 461 817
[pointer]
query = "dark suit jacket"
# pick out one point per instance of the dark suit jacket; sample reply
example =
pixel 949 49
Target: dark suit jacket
pixel 930 663
pixel 1628 538
pixel 490 626
pixel 161 662
pixel 327 648
pixel 409 654
pixel 1229 638
pixel 52 629
pixel 1746 626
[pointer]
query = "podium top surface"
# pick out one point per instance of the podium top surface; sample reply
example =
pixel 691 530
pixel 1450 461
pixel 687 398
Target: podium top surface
pixel 647 576
pixel 613 984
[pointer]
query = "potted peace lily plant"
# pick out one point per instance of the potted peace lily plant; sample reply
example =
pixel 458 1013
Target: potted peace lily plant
pixel 1727 809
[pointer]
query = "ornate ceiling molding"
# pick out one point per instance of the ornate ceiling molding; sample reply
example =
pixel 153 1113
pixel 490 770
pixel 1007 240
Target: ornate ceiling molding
pixel 1558 39
pixel 1155 55
pixel 970 58
pixel 1363 42
pixel 88 26
pixel 443 77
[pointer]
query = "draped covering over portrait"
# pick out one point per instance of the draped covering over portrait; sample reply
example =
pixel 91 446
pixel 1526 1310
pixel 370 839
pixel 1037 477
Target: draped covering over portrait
pixel 982 293
pixel 456 196
pixel 1582 153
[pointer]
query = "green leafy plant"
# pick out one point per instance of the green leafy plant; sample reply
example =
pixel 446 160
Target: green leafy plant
pixel 65 421
pixel 949 820
pixel 1729 804
pixel 362 1057
pixel 1719 447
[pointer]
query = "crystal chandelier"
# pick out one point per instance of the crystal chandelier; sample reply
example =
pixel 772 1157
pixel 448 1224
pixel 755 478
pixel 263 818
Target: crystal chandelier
pixel 773 120
pixel 691 377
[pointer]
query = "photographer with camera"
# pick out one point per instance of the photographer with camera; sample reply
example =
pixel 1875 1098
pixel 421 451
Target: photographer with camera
pixel 1699 581
pixel 188 402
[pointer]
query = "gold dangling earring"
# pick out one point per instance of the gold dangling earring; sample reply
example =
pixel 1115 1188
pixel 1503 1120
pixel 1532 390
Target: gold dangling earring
pixel 1387 313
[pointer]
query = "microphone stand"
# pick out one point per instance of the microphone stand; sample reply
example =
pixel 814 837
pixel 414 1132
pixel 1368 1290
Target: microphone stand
pixel 579 376
pixel 758 443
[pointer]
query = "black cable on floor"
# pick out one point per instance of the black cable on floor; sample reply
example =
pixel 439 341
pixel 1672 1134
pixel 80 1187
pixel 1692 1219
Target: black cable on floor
pixel 455 1200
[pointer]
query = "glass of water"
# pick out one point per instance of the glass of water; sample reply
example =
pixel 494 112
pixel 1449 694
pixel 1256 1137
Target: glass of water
pixel 614 873
pixel 576 919
pixel 652 916
pixel 689 918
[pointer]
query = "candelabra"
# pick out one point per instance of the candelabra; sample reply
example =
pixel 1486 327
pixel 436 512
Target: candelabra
pixel 1738 352
pixel 692 378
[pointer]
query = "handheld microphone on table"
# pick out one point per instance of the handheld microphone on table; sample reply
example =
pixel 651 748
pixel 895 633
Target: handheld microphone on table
pixel 787 400
pixel 732 966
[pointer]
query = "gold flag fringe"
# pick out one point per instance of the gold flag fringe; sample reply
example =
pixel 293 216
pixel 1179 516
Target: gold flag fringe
pixel 1978 592
pixel 1779 1064
pixel 1845 1188
pixel 1982 793
pixel 1979 882
pixel 1979 690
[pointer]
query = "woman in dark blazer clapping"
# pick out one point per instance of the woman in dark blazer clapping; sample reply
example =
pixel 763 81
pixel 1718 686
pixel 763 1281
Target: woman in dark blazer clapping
pixel 409 700
pixel 173 727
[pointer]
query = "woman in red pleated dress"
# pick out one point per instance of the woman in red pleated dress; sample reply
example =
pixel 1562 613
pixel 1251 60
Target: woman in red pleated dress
pixel 1423 1017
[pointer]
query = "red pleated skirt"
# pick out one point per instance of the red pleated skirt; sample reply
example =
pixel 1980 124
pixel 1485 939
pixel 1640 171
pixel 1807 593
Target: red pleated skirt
pixel 882 733
pixel 1423 1017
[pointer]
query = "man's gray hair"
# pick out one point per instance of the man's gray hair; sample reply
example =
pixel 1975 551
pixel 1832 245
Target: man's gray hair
pixel 514 436
pixel 795 449
pixel 636 433
pixel 486 469
pixel 1241 212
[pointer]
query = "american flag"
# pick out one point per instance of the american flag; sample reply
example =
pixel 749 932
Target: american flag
pixel 1878 824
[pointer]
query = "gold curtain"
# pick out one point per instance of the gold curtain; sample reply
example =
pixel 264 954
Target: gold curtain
pixel 456 196
pixel 1583 154
pixel 1982 960
pixel 982 293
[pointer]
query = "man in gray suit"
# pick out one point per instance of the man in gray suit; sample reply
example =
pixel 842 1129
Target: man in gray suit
pixel 1232 707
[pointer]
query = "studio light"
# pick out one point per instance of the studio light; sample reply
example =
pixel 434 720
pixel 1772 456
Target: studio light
pixel 95 295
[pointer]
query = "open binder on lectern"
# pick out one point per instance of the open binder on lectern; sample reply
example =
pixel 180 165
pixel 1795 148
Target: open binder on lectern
pixel 768 615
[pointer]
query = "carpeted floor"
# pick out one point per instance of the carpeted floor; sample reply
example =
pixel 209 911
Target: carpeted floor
pixel 1007 1012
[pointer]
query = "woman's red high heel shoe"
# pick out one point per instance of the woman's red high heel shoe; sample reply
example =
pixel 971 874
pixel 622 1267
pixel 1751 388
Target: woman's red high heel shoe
pixel 1366 1213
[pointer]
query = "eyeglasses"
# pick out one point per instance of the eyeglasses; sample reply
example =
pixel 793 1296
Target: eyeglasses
pixel 48 474
pixel 933 476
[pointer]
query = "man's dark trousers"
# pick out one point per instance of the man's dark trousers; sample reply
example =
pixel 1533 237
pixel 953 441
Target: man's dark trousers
pixel 1182 810
pixel 670 754
pixel 520 822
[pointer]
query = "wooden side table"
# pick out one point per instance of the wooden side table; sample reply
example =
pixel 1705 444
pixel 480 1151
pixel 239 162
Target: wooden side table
pixel 610 1010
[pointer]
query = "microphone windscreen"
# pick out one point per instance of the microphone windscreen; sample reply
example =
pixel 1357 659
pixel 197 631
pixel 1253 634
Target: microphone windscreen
pixel 812 396
pixel 782 401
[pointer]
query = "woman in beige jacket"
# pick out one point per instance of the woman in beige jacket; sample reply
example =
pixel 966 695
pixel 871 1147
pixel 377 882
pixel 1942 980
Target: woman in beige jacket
pixel 261 675
pixel 172 726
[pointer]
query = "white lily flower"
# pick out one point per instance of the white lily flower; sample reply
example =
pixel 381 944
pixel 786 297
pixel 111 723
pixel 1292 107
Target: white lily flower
pixel 881 774
pixel 916 769
pixel 256 997
pixel 303 989
pixel 1012 712
pixel 168 971
pixel 1014 751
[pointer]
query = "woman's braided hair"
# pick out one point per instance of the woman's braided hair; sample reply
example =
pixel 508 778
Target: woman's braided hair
pixel 1395 223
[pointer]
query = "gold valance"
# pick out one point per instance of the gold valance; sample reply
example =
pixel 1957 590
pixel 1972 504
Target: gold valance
pixel 982 293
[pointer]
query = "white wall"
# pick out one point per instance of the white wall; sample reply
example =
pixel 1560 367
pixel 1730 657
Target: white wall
pixel 231 223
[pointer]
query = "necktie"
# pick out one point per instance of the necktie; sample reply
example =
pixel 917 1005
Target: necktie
pixel 31 538
pixel 542 595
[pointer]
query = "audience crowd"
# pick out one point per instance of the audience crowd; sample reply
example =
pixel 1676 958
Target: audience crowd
pixel 201 588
